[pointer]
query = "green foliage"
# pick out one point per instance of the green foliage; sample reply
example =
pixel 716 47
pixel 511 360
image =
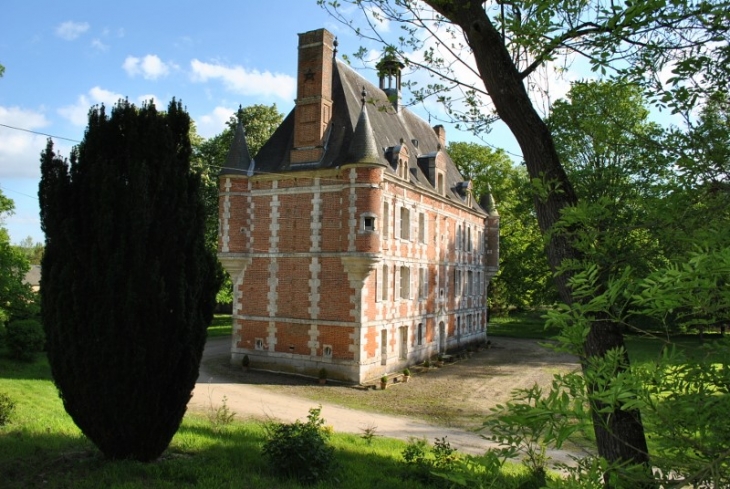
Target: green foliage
pixel 524 278
pixel 25 338
pixel 442 466
pixel 7 405
pixel 128 283
pixel 209 157
pixel 300 450
pixel 17 300
pixel 221 416
pixel 32 251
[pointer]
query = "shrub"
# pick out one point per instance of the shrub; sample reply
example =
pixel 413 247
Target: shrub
pixel 406 372
pixel 24 338
pixel 300 450
pixel 7 405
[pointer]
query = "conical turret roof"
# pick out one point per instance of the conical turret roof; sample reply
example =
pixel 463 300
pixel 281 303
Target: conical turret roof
pixel 239 159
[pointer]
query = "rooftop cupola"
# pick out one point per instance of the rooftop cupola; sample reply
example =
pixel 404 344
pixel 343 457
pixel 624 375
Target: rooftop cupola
pixel 389 71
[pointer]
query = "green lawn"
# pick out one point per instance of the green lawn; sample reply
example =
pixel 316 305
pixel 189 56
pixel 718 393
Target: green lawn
pixel 529 325
pixel 221 326
pixel 42 447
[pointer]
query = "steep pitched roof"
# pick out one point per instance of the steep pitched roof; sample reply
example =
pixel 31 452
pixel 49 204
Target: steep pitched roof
pixel 344 142
pixel 239 159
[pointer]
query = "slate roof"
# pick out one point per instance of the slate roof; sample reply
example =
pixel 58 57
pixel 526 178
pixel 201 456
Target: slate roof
pixel 343 143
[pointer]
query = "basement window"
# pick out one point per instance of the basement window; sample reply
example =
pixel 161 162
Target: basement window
pixel 327 351
pixel 259 344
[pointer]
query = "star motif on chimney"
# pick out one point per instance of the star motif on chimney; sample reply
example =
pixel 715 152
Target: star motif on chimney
pixel 309 75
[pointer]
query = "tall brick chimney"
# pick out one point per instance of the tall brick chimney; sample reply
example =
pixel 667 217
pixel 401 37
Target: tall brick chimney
pixel 313 109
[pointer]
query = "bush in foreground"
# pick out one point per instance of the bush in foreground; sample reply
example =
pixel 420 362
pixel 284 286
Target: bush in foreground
pixel 7 405
pixel 300 450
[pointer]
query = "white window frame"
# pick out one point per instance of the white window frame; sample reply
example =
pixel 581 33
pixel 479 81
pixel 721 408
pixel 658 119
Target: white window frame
pixel 405 223
pixel 405 282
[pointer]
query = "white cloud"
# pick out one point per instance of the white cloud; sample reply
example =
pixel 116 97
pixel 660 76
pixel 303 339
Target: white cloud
pixel 99 46
pixel 245 82
pixel 151 67
pixel 71 30
pixel 20 150
pixel 209 125
pixel 150 96
pixel 78 112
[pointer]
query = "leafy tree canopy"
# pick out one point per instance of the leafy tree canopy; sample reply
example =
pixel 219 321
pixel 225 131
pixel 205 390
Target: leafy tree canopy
pixel 16 297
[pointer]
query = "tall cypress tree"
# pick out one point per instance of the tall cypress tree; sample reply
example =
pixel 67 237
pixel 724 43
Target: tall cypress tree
pixel 128 286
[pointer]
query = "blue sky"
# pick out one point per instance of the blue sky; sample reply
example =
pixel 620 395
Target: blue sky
pixel 63 57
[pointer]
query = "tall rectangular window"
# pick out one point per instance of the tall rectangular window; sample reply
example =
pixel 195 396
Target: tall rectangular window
pixel 405 223
pixel 421 228
pixel 419 337
pixel 422 283
pixel 405 283
pixel 386 220
pixel 386 283
pixel 469 283
pixel 457 282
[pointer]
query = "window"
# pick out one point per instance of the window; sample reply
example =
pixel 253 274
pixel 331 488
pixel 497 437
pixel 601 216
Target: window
pixel 405 283
pixel 384 286
pixel 368 223
pixel 403 169
pixel 468 239
pixel 458 237
pixel 405 223
pixel 386 220
pixel 480 243
pixel 421 228
pixel 327 351
pixel 469 282
pixel 419 337
pixel 403 343
pixel 440 183
pixel 457 282
pixel 422 283
pixel 259 344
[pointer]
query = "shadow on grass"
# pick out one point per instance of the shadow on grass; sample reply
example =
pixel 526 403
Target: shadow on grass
pixel 201 455
pixel 36 369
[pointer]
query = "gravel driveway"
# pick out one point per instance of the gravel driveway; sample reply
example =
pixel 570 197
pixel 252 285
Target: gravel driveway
pixel 437 402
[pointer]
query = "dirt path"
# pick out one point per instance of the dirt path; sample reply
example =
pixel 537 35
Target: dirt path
pixel 454 398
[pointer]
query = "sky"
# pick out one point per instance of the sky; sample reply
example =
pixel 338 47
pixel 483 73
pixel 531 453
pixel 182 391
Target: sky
pixel 61 58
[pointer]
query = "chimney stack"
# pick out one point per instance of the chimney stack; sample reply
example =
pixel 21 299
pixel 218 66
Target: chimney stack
pixel 313 109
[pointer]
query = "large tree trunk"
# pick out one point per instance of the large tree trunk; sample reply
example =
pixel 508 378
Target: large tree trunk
pixel 620 433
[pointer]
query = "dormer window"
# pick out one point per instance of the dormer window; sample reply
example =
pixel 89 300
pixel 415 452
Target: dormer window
pixel 403 169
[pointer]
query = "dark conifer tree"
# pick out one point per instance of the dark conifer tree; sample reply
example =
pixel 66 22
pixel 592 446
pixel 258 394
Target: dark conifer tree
pixel 128 286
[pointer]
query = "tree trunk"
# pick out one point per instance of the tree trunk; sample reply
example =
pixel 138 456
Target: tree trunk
pixel 619 434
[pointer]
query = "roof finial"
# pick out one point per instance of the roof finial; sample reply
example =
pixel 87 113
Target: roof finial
pixel 364 94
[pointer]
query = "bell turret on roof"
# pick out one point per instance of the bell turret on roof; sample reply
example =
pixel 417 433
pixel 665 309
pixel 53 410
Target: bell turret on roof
pixel 239 159
pixel 363 148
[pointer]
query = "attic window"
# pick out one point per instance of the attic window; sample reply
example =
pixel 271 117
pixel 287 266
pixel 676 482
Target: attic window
pixel 402 169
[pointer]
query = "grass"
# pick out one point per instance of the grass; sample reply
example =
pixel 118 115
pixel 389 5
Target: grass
pixel 42 447
pixel 527 325
pixel 220 326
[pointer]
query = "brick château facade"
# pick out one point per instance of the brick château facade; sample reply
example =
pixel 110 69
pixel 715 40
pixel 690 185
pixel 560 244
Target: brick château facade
pixel 352 240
